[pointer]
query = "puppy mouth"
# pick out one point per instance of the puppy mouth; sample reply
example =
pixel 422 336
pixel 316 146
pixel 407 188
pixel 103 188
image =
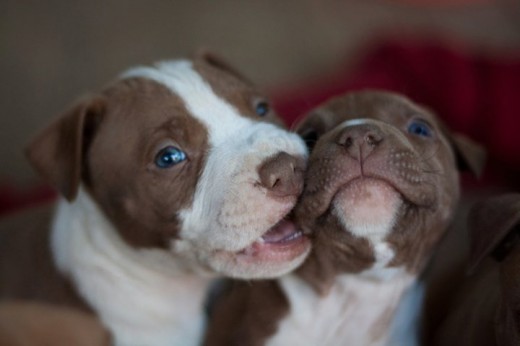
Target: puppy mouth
pixel 405 194
pixel 409 194
pixel 282 242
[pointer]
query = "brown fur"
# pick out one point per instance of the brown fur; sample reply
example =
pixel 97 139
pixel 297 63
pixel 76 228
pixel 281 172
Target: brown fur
pixel 139 198
pixel 429 158
pixel 485 309
pixel 248 320
pixel 37 324
pixel 333 253
pixel 426 175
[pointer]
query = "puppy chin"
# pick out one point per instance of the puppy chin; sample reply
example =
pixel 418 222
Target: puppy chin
pixel 367 207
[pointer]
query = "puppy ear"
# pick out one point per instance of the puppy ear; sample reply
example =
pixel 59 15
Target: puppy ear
pixel 494 228
pixel 57 152
pixel 470 155
pixel 208 57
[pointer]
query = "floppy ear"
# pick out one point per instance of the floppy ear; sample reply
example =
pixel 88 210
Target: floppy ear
pixel 57 152
pixel 494 228
pixel 208 57
pixel 470 155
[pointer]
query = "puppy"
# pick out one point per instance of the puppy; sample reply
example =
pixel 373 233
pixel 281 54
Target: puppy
pixel 485 309
pixel 170 176
pixel 381 188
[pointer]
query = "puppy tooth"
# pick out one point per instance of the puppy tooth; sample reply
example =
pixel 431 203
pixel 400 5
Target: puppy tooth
pixel 295 235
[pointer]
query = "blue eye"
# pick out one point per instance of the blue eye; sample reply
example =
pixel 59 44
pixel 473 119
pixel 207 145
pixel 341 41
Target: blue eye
pixel 420 128
pixel 262 108
pixel 169 157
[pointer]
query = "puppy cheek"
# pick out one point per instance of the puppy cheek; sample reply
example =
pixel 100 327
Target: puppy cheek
pixel 247 217
pixel 129 206
pixel 449 190
pixel 244 214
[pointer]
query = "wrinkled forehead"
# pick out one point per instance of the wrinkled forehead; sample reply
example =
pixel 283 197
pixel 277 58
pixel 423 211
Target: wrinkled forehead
pixel 389 108
pixel 140 116
pixel 206 97
pixel 143 105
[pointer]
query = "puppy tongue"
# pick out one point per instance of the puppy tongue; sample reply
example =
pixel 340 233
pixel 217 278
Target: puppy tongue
pixel 283 230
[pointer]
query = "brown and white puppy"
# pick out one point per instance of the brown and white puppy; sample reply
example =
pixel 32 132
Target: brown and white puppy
pixel 486 308
pixel 173 174
pixel 381 188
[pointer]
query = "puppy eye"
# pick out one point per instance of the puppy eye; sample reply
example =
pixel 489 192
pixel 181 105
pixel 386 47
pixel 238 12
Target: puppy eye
pixel 420 128
pixel 169 157
pixel 262 108
pixel 310 137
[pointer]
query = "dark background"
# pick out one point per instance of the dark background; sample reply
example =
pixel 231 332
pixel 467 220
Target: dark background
pixel 52 52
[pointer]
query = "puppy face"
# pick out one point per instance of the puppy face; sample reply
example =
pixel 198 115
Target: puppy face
pixel 382 180
pixel 185 156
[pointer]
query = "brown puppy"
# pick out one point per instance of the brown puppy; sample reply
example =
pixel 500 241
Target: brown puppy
pixel 381 188
pixel 172 175
pixel 486 307
pixel 38 324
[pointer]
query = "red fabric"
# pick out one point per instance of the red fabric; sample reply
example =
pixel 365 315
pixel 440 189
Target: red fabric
pixel 12 199
pixel 475 94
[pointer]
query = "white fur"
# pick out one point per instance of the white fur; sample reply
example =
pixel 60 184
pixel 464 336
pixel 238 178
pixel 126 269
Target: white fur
pixel 348 315
pixel 144 297
pixel 384 254
pixel 406 323
pixel 229 211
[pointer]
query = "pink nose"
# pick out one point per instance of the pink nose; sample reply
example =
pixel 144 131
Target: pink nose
pixel 360 141
pixel 282 175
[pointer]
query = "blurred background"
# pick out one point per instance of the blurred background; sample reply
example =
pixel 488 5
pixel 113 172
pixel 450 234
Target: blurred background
pixel 52 52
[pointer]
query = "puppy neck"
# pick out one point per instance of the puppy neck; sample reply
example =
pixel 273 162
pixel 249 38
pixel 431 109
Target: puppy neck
pixel 125 286
pixel 337 252
pixel 357 310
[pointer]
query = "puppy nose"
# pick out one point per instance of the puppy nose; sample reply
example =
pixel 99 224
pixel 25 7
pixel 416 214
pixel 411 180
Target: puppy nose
pixel 360 141
pixel 282 175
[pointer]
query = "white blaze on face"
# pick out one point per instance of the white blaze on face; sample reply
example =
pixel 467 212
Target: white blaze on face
pixel 228 212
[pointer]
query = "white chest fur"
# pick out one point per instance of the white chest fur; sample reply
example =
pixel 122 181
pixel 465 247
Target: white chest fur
pixel 144 297
pixel 357 311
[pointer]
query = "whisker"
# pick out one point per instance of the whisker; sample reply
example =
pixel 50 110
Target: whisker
pixel 423 157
